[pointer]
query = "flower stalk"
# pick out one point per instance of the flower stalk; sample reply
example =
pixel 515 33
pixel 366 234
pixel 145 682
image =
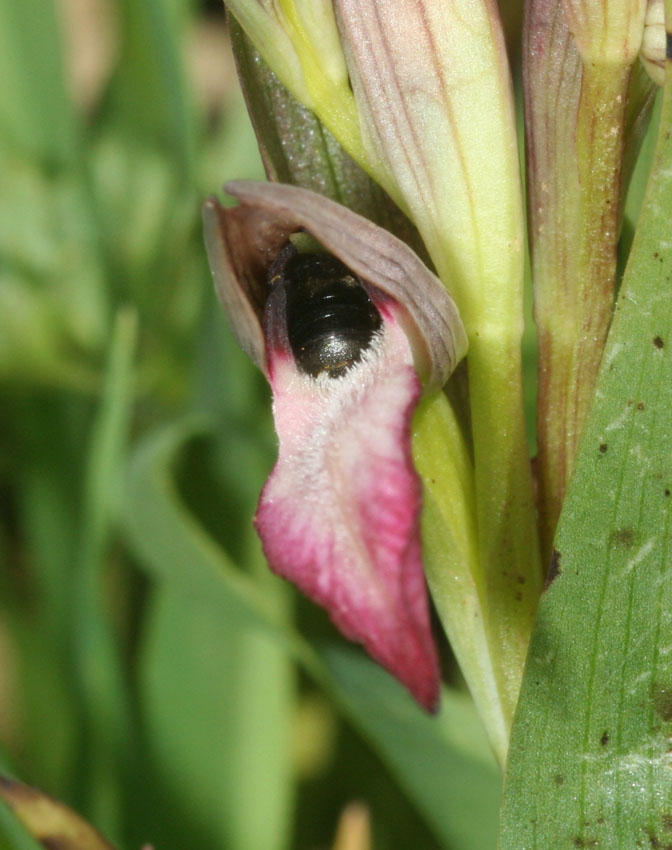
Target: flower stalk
pixel 297 148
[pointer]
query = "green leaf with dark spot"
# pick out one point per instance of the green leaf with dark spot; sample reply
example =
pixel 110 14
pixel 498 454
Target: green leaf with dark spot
pixel 590 762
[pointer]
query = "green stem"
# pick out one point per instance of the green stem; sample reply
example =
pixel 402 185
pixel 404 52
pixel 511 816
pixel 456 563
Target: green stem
pixel 505 509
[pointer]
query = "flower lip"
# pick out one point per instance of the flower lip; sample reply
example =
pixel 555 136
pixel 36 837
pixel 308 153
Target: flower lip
pixel 244 241
pixel 340 513
pixel 344 338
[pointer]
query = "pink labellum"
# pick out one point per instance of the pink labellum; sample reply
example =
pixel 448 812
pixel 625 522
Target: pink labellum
pixel 340 513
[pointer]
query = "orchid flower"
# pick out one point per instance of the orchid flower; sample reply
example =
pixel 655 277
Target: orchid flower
pixel 346 345
pixel 419 95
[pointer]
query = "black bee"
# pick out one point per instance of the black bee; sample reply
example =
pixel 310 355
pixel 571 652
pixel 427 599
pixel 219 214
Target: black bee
pixel 331 320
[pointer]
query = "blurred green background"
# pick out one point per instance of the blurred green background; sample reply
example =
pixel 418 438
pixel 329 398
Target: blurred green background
pixel 153 674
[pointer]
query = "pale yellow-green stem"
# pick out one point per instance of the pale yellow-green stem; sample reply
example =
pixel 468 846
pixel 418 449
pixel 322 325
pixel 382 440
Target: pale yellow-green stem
pixel 509 545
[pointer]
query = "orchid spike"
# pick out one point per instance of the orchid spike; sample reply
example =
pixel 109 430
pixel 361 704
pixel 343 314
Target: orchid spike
pixel 346 339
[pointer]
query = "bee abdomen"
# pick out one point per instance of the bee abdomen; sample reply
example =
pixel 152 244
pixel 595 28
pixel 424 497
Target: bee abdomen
pixel 331 320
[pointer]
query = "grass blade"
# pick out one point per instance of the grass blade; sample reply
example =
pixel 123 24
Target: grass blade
pixel 36 115
pixel 98 668
pixel 443 763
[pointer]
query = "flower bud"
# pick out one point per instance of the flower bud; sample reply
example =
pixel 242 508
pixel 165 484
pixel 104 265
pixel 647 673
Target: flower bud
pixel 299 41
pixel 434 96
pixel 606 32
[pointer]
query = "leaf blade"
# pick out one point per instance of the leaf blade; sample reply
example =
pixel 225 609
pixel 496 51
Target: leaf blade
pixel 596 695
pixel 443 763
